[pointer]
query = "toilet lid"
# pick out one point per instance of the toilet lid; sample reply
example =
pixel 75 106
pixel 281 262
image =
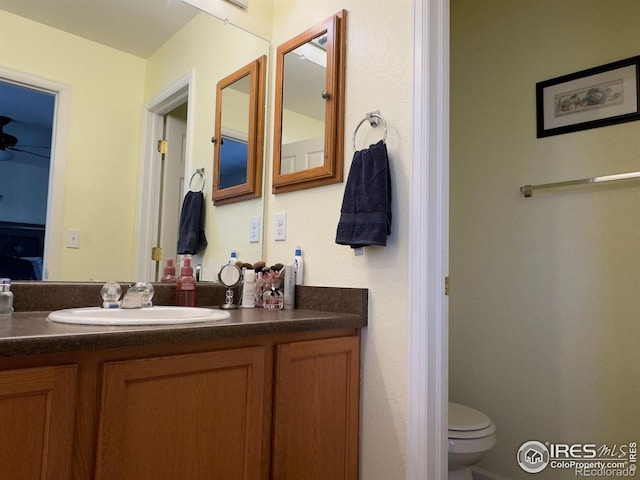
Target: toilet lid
pixel 466 419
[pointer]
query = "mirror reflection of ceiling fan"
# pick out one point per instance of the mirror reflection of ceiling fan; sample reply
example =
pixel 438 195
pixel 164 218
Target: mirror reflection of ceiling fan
pixel 8 143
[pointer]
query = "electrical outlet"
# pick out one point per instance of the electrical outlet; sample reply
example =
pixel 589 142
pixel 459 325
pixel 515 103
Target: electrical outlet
pixel 73 238
pixel 254 230
pixel 280 227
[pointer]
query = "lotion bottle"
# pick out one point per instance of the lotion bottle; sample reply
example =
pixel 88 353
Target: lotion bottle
pixel 298 265
pixel 249 289
pixel 186 285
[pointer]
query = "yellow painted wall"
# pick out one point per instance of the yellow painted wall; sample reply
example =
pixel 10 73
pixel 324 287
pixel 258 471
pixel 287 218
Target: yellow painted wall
pixel 379 77
pixel 106 94
pixel 544 300
pixel 212 51
pixel 298 127
pixel 235 111
pixel 379 66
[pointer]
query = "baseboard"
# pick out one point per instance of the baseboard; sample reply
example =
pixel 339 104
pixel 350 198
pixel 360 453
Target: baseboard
pixel 480 474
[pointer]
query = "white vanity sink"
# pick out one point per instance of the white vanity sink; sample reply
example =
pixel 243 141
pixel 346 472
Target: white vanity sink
pixel 157 315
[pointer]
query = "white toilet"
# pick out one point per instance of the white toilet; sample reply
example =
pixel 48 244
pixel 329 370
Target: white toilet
pixel 471 436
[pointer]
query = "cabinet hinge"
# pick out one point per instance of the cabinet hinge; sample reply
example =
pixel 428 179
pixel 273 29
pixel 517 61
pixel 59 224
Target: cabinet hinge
pixel 446 285
pixel 156 254
pixel 163 146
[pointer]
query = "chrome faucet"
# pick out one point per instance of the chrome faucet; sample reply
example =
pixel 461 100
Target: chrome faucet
pixel 138 295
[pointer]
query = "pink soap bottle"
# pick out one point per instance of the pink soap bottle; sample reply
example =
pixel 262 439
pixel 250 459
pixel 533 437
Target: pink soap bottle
pixel 169 274
pixel 186 285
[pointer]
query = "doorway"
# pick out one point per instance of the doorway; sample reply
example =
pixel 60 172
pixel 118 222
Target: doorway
pixel 161 183
pixel 427 409
pixel 172 177
pixel 26 131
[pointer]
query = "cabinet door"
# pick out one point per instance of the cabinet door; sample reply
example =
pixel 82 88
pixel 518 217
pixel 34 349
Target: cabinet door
pixel 197 416
pixel 316 410
pixel 37 408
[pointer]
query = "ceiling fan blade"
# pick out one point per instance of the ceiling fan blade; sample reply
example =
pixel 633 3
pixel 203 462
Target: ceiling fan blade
pixel 36 146
pixel 6 140
pixel 30 153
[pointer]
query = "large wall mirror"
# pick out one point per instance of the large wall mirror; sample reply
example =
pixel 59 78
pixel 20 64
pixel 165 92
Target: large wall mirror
pixel 309 107
pixel 239 137
pixel 109 87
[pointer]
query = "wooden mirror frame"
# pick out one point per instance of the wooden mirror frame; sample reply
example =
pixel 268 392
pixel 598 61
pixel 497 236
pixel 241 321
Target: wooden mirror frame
pixel 332 169
pixel 255 141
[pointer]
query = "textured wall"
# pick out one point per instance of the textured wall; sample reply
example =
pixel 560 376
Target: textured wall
pixel 379 77
pixel 544 300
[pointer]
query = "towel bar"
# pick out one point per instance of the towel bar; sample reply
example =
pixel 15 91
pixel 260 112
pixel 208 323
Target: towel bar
pixel 527 190
pixel 200 172
pixel 374 118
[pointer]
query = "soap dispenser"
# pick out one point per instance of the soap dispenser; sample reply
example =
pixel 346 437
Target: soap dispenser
pixel 186 285
pixel 169 273
pixel 6 298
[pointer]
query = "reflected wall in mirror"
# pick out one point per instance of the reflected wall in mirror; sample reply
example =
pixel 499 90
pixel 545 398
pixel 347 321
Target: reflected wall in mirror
pixel 239 134
pixel 309 109
pixel 96 188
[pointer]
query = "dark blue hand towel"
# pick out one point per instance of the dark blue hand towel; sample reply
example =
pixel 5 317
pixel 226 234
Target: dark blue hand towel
pixel 365 217
pixel 191 238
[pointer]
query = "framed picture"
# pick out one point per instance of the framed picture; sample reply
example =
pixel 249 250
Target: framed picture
pixel 591 98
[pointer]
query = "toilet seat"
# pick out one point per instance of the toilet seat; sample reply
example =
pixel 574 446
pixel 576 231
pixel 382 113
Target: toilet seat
pixel 468 423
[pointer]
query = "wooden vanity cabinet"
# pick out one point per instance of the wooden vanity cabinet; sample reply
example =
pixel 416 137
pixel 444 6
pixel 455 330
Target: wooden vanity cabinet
pixel 198 416
pixel 37 408
pixel 282 407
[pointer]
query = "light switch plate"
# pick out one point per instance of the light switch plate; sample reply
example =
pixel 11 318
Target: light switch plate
pixel 73 238
pixel 280 227
pixel 254 230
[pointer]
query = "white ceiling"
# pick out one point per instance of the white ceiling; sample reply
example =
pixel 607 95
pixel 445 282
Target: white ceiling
pixel 135 26
pixel 138 27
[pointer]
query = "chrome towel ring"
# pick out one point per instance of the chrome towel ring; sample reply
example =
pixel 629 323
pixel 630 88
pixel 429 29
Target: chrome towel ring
pixel 374 118
pixel 199 172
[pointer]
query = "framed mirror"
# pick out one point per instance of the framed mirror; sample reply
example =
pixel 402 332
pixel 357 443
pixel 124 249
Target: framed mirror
pixel 309 108
pixel 239 134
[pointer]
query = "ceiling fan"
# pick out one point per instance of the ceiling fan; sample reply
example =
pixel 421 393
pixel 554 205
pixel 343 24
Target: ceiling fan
pixel 9 142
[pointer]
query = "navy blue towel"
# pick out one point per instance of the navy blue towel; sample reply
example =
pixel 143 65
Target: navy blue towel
pixel 191 238
pixel 365 217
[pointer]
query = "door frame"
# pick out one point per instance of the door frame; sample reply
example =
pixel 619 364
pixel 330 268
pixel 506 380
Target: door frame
pixel 427 412
pixel 54 222
pixel 149 169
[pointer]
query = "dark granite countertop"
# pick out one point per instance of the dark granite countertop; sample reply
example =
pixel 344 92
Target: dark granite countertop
pixel 30 333
pixel 325 308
